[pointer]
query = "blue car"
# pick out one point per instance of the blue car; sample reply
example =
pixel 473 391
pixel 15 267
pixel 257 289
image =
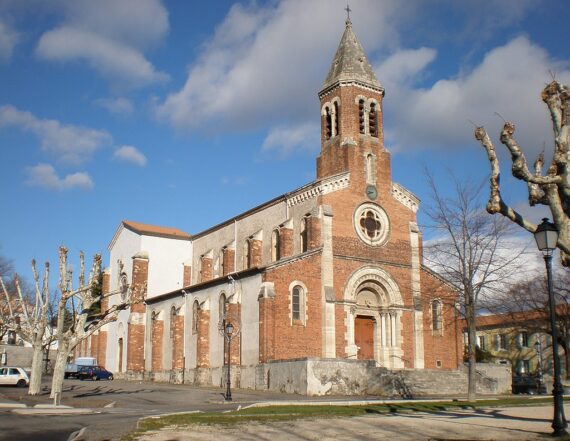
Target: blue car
pixel 94 373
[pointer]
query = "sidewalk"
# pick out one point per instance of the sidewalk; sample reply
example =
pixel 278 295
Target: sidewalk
pixel 514 423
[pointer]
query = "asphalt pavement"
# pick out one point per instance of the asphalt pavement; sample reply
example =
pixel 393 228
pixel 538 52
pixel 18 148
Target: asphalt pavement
pixel 98 411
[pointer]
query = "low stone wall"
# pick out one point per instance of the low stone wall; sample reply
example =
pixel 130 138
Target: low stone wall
pixel 322 377
pixel 21 356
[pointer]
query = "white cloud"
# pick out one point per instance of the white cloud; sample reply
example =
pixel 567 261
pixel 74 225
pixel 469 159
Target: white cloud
pixel 508 81
pixel 286 139
pixel 258 69
pixel 118 106
pixel 8 39
pixel 405 65
pixel 131 154
pixel 111 58
pixel 110 36
pixel 68 143
pixel 45 176
pixel 138 23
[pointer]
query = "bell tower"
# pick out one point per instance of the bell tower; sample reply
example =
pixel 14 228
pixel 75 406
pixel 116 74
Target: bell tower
pixel 352 132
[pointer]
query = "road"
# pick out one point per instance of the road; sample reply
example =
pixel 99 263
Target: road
pixel 127 400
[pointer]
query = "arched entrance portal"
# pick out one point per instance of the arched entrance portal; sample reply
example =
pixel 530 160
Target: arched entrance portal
pixel 373 306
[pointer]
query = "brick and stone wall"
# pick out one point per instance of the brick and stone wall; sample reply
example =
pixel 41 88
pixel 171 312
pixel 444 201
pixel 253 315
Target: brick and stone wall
pixel 157 338
pixel 177 342
pixel 136 324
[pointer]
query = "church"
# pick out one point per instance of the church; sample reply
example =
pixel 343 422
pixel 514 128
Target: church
pixel 323 288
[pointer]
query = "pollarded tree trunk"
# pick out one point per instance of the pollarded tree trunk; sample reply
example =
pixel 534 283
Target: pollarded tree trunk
pixel 37 360
pixel 552 188
pixel 59 370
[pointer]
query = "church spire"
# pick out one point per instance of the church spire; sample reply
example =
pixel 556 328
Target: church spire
pixel 350 63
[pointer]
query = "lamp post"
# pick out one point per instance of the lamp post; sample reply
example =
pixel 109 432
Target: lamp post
pixel 229 332
pixel 546 236
pixel 538 349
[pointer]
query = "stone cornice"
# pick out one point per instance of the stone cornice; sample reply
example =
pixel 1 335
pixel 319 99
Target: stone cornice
pixel 325 186
pixel 405 197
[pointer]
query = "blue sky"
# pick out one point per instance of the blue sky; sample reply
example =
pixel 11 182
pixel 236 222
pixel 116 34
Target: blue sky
pixel 186 113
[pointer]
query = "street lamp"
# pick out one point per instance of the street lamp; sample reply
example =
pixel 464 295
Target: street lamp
pixel 538 349
pixel 546 236
pixel 229 332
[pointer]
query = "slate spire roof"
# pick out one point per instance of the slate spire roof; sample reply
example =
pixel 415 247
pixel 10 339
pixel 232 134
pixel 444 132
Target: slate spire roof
pixel 350 63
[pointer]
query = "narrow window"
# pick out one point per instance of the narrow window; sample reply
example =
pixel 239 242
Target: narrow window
pixel 222 305
pixel 195 317
pixel 328 124
pixel 275 246
pixel 336 118
pixel 482 345
pixel 524 339
pixel 502 342
pixel 296 303
pixel 369 168
pixel 172 318
pixel 246 253
pixel 304 244
pixel 361 116
pixel 373 121
pixel 436 315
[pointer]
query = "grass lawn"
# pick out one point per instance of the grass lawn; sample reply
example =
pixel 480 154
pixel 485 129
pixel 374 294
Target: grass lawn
pixel 288 412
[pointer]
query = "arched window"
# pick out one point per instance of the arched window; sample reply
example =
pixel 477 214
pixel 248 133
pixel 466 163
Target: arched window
pixel 275 246
pixel 222 308
pixel 246 253
pixel 361 117
pixel 373 121
pixel 304 235
pixel 436 315
pixel 195 308
pixel 296 302
pixel 328 123
pixel 336 118
pixel 369 168
pixel 172 320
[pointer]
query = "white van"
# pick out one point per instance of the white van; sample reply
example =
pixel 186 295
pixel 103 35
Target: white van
pixel 72 368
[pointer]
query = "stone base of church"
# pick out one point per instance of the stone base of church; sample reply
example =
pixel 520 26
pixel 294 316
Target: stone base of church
pixel 322 377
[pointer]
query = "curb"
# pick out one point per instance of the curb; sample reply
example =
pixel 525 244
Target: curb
pixel 52 411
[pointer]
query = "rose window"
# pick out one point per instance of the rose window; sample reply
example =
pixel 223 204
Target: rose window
pixel 371 224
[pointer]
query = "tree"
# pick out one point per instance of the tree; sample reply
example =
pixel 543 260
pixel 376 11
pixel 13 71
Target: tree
pixel 551 189
pixel 29 318
pixel 6 270
pixel 471 251
pixel 526 303
pixel 84 304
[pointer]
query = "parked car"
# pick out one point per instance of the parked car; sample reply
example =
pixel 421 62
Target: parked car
pixel 14 376
pixel 72 369
pixel 94 373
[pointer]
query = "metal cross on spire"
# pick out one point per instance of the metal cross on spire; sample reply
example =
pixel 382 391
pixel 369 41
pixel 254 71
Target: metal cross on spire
pixel 347 9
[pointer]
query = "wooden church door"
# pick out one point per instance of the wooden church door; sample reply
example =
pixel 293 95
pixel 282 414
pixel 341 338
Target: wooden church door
pixel 364 337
